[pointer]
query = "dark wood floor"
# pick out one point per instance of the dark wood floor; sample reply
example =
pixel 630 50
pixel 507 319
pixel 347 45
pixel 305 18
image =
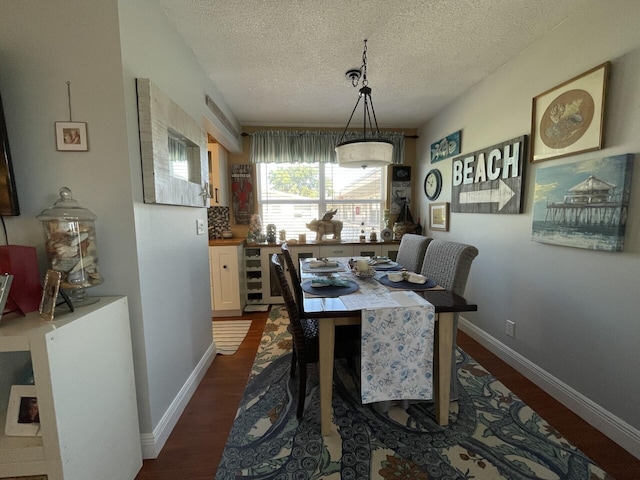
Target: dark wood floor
pixel 195 446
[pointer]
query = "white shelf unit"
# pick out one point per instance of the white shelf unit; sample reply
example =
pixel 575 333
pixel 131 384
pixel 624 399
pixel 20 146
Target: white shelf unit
pixel 227 283
pixel 83 370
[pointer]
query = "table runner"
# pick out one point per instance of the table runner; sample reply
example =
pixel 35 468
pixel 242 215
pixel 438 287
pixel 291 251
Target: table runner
pixel 397 352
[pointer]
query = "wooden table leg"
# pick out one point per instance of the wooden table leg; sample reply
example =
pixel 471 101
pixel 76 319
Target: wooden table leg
pixel 326 336
pixel 444 347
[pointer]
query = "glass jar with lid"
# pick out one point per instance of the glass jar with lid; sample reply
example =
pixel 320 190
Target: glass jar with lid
pixel 71 246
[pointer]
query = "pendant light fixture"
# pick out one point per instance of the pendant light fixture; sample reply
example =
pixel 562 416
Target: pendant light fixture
pixel 371 150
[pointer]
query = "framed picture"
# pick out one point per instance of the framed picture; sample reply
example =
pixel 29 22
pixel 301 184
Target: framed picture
pixel 50 294
pixel 583 204
pixel 439 216
pixel 400 173
pixel 23 415
pixel 71 136
pixel 568 119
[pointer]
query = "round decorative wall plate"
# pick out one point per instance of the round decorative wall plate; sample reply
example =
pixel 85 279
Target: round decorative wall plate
pixel 386 235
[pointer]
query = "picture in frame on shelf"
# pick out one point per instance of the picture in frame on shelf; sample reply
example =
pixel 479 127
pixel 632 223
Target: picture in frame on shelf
pixel 439 216
pixel 71 136
pixel 569 118
pixel 50 294
pixel 23 414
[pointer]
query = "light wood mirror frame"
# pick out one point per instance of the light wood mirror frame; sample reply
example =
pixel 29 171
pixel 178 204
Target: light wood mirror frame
pixel 158 118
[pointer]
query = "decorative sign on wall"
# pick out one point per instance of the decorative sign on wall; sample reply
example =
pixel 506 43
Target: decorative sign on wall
pixel 445 148
pixel 242 193
pixel 490 180
pixel 583 204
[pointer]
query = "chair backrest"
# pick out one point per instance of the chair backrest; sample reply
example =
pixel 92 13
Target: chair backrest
pixel 448 264
pixel 411 251
pixel 292 309
pixel 293 274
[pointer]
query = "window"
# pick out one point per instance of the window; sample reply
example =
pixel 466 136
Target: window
pixel 293 194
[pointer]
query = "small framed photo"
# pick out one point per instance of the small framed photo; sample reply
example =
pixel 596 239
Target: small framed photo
pixel 400 173
pixel 23 414
pixel 439 216
pixel 569 118
pixel 71 136
pixel 50 294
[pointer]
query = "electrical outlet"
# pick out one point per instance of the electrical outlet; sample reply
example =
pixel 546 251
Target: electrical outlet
pixel 511 329
pixel 200 227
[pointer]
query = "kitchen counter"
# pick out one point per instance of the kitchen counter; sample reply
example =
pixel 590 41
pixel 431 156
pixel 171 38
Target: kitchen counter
pixel 227 242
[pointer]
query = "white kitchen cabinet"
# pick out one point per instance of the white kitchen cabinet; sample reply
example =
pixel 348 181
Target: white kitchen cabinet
pixel 83 370
pixel 218 175
pixel 390 250
pixel 227 282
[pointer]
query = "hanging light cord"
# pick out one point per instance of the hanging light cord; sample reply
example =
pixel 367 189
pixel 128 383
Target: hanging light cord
pixel 69 96
pixel 365 92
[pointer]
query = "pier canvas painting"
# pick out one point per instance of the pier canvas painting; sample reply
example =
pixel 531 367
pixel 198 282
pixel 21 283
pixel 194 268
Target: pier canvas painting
pixel 583 204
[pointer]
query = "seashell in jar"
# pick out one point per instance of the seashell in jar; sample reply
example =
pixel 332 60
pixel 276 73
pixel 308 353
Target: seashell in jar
pixel 66 251
pixel 79 238
pixel 85 263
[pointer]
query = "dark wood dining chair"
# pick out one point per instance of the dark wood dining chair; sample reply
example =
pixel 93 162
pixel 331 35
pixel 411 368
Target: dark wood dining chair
pixel 411 251
pixel 295 278
pixel 448 264
pixel 304 332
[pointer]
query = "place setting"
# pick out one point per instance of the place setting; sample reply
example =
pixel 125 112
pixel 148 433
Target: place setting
pixel 383 264
pixel 406 281
pixel 322 265
pixel 330 286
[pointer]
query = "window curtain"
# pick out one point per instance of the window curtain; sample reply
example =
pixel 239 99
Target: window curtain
pixel 292 146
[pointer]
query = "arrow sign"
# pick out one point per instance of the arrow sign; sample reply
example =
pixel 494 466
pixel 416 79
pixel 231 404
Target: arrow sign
pixel 500 195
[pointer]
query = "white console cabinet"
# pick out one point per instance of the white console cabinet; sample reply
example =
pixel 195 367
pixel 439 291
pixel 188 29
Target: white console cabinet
pixel 83 370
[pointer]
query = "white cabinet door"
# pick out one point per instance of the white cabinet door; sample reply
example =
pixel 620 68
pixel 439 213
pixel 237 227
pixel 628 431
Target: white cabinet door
pixel 337 250
pixel 390 250
pixel 366 250
pixel 225 279
pixel 218 175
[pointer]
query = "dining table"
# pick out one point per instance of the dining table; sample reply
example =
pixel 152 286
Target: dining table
pixel 333 310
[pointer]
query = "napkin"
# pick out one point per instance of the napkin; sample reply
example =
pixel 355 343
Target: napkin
pixel 378 260
pixel 322 263
pixel 395 277
pixel 329 282
pixel 416 278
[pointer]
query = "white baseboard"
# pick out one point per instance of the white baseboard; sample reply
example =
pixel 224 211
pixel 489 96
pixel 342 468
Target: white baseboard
pixel 613 427
pixel 152 443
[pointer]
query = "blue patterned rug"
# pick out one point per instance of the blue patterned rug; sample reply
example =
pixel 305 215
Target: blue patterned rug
pixel 492 434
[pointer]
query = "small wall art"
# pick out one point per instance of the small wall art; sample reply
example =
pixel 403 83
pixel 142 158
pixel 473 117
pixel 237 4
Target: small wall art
pixel 568 118
pixel 583 204
pixel 71 136
pixel 446 147
pixel 439 216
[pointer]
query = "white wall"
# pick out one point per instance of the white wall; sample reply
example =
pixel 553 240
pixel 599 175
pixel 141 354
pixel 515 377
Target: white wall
pixel 150 253
pixel 576 311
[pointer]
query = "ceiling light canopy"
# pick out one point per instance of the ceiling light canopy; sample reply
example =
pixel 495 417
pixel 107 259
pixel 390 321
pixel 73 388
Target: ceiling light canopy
pixel 371 151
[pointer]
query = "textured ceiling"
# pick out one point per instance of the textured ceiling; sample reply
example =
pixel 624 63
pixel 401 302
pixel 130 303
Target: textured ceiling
pixel 283 62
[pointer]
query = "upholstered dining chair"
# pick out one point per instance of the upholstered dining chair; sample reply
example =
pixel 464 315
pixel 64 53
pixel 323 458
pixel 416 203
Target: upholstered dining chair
pixel 411 251
pixel 304 332
pixel 448 264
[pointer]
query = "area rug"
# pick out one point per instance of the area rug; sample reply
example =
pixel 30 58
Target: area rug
pixel 229 334
pixel 492 434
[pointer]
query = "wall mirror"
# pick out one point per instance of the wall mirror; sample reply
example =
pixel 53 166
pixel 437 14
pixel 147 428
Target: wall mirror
pixel 173 148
